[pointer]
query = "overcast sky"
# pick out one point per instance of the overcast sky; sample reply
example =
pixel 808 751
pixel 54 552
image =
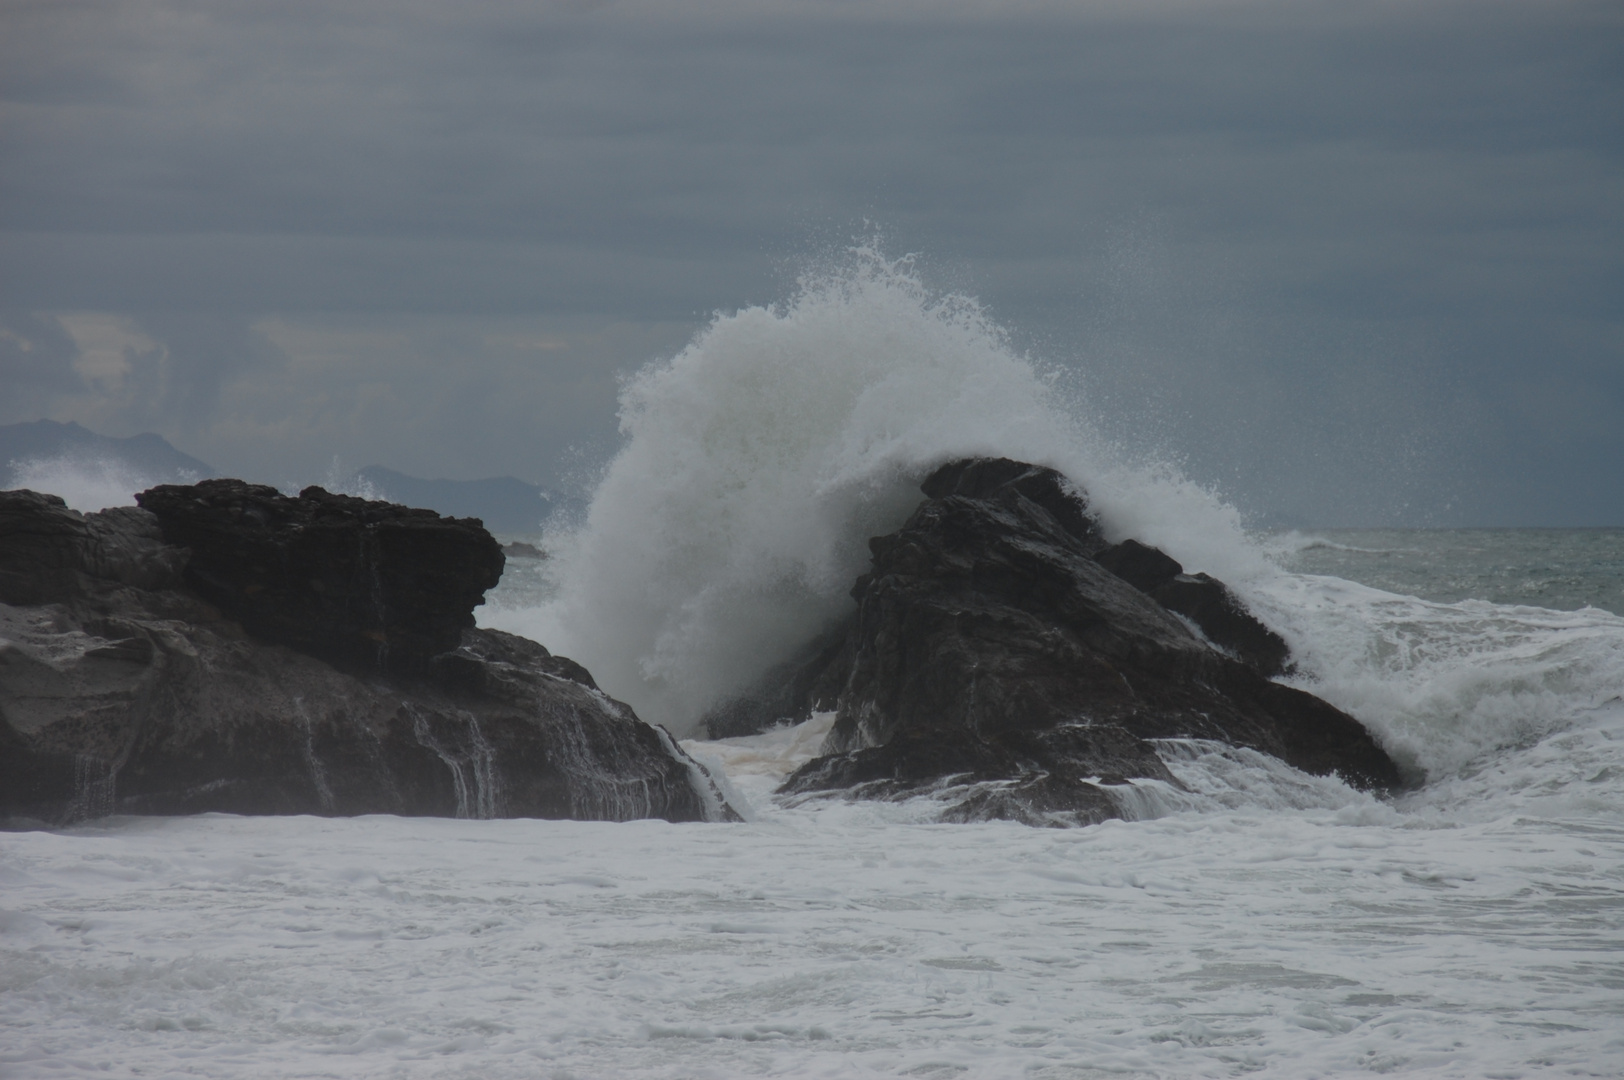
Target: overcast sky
pixel 1353 262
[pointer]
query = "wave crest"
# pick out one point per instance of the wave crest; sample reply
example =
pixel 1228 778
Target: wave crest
pixel 758 461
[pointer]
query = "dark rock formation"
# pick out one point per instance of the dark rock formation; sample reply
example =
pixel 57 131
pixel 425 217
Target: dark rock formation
pixel 990 648
pixel 1145 568
pixel 991 478
pixel 122 690
pixel 366 586
pixel 811 680
pixel 50 554
pixel 1203 600
pixel 1224 620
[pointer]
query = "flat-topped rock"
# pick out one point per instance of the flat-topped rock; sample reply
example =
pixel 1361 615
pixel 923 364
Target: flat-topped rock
pixel 367 586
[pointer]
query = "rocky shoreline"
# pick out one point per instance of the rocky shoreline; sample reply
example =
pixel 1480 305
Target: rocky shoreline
pixel 223 647
pixel 226 648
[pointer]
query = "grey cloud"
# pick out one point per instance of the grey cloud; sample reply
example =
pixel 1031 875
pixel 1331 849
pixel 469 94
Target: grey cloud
pixel 1366 224
pixel 178 380
pixel 703 141
pixel 432 395
pixel 36 364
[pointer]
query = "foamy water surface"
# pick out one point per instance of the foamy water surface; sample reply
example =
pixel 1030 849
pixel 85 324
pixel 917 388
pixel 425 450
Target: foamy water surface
pixel 829 939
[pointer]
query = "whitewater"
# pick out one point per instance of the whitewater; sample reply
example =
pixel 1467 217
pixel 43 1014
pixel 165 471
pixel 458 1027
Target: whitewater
pixel 1261 922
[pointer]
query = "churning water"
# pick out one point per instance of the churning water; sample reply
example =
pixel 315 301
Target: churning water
pixel 1262 923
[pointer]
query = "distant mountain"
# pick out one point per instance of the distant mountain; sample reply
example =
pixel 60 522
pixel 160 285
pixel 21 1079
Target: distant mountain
pixel 505 504
pixel 148 457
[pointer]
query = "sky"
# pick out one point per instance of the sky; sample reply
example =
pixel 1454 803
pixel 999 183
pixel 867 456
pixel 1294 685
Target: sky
pixel 1353 263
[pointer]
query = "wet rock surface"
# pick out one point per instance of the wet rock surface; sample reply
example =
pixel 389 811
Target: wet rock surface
pixel 992 648
pixel 125 689
pixel 1204 600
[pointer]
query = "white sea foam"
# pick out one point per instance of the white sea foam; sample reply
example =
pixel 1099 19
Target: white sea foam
pixel 1447 687
pixel 825 940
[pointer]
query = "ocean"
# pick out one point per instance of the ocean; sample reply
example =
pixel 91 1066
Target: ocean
pixel 1262 922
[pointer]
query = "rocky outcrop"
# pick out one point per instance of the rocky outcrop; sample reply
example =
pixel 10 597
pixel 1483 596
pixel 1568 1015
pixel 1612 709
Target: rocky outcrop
pixel 50 554
pixel 367 586
pixel 1204 600
pixel 138 675
pixel 1002 647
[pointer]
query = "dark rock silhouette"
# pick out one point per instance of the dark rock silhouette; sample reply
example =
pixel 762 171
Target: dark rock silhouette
pixel 990 648
pixel 1145 568
pixel 990 478
pixel 366 586
pixel 50 554
pixel 124 690
pixel 1202 599
pixel 1224 620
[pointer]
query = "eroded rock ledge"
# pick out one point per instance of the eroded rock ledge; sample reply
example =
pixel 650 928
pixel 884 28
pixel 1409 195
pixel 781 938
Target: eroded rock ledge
pixel 1000 645
pixel 226 648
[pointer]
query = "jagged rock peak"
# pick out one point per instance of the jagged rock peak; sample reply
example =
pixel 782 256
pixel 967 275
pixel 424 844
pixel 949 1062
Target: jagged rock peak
pixel 992 655
pixel 1002 478
pixel 1206 601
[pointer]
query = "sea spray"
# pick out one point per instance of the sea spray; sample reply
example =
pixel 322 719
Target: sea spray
pixel 1448 687
pixel 87 482
pixel 758 461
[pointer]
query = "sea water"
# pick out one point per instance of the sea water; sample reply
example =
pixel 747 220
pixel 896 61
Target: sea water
pixel 1565 569
pixel 1260 922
